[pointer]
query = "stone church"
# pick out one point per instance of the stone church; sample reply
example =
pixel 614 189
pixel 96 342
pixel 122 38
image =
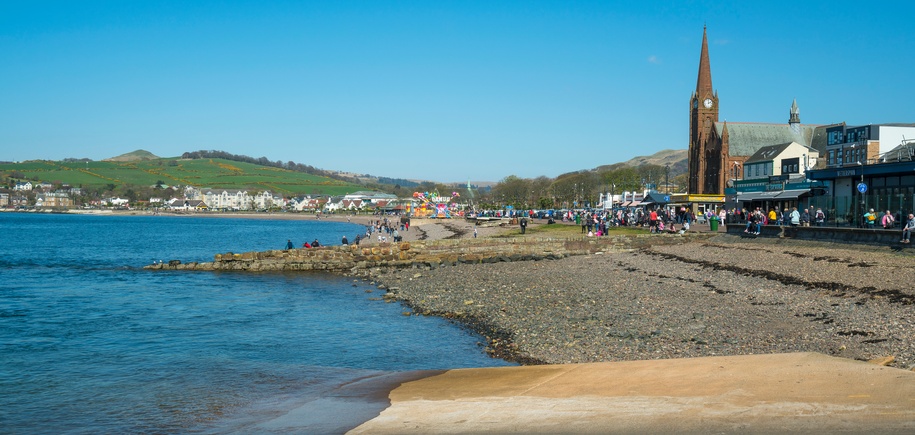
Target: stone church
pixel 717 150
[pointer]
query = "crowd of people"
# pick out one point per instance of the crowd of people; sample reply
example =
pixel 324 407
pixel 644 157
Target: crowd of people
pixel 384 229
pixel 597 222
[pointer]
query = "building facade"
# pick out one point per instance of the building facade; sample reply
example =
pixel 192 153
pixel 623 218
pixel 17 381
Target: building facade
pixel 718 150
pixel 870 166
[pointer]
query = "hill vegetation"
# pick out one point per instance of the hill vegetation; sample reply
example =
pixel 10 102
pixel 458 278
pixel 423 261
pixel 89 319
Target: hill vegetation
pixel 140 173
pixel 202 172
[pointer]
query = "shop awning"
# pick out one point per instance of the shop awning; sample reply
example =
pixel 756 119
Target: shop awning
pixel 774 195
pixel 793 194
pixel 758 196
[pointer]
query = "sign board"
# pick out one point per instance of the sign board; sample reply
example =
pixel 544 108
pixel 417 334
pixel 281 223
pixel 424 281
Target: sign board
pixel 862 188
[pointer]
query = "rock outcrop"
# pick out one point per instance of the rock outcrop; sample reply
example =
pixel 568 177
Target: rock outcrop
pixel 422 253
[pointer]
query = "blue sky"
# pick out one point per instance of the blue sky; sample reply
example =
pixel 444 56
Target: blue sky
pixel 437 90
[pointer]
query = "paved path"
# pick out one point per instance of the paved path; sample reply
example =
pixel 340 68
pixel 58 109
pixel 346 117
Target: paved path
pixel 781 393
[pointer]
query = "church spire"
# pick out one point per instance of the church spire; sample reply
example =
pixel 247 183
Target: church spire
pixel 795 117
pixel 704 82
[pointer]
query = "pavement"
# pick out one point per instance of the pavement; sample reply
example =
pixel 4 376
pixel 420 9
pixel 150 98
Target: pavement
pixel 777 393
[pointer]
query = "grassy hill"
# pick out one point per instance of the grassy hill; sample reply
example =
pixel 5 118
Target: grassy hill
pixel 215 173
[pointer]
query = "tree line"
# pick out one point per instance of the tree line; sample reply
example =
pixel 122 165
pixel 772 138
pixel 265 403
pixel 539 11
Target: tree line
pixel 263 161
pixel 580 188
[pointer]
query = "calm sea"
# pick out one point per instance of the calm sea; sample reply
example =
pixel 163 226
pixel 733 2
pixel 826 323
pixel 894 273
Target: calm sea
pixel 91 343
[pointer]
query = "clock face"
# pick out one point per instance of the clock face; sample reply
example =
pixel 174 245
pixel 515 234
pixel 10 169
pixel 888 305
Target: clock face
pixel 707 103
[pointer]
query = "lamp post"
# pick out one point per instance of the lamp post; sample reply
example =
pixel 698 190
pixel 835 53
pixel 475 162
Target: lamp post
pixel 667 177
pixel 612 192
pixel 862 191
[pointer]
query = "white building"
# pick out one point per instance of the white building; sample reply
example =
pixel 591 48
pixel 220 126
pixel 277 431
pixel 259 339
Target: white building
pixel 788 159
pixel 23 186
pixel 230 199
pixel 117 202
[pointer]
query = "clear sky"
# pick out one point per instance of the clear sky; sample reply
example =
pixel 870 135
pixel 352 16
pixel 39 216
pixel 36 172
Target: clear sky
pixel 437 90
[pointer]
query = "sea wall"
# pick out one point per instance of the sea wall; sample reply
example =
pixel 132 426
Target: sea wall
pixel 875 236
pixel 425 253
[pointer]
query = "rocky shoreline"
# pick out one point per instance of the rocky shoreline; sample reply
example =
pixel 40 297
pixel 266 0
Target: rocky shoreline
pixel 722 296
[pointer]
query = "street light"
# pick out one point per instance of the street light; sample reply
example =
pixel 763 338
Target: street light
pixel 863 196
pixel 667 176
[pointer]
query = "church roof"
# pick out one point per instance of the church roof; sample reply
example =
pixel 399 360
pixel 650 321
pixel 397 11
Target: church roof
pixel 746 138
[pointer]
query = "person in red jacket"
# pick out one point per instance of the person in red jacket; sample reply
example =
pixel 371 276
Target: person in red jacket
pixel 653 221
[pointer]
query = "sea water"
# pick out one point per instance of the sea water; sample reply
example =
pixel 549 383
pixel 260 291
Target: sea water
pixel 92 343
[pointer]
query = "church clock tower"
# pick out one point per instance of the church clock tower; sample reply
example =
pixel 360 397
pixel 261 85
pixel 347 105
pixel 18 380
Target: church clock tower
pixel 704 160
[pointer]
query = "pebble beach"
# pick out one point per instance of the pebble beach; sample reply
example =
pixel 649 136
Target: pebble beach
pixel 721 296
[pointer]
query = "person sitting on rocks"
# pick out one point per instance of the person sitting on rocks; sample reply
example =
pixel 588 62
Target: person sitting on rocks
pixel 315 244
pixel 306 245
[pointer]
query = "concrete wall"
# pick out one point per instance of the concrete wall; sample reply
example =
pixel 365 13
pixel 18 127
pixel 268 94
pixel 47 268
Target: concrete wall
pixel 827 234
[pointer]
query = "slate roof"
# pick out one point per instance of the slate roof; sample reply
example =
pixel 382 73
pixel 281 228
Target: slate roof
pixel 768 153
pixel 746 138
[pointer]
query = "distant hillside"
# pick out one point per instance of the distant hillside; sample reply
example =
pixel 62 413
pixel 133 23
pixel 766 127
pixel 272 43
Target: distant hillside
pixel 678 160
pixel 136 156
pixel 204 172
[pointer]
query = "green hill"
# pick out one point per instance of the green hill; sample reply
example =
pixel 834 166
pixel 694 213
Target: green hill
pixel 214 173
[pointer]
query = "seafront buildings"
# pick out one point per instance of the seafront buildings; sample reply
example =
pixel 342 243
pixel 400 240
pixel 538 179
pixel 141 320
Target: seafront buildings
pixel 842 169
